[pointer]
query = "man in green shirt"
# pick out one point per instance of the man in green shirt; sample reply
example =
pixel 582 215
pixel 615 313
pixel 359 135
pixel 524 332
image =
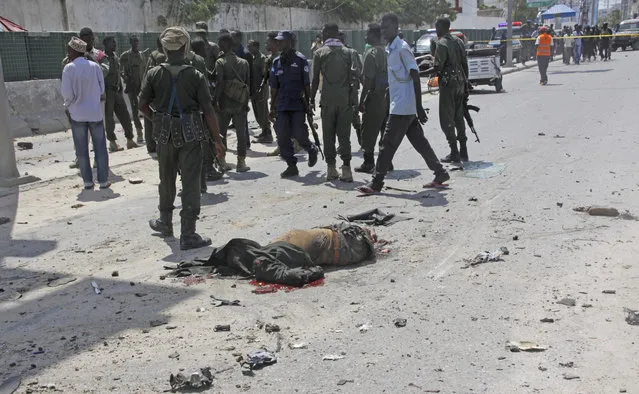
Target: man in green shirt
pixel 451 65
pixel 259 101
pixel 373 102
pixel 132 68
pixel 177 92
pixel 115 99
pixel 232 95
pixel 337 67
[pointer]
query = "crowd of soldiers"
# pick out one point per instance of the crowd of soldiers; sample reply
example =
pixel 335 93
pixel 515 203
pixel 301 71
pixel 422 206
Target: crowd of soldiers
pixel 191 90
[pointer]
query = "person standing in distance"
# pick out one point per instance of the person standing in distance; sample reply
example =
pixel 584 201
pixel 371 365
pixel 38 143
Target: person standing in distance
pixel 178 92
pixel 544 52
pixel 132 63
pixel 406 111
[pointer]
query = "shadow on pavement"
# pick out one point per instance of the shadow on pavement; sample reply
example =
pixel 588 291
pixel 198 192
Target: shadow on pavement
pixel 425 197
pixel 403 174
pixel 213 198
pixel 580 72
pixel 246 176
pixel 97 195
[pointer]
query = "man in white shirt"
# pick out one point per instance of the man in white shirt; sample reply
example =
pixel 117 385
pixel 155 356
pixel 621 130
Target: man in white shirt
pixel 82 86
pixel 567 45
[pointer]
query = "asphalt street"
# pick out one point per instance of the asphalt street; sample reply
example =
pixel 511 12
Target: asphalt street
pixel 544 150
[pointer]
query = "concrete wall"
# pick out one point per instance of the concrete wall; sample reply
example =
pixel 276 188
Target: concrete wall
pixel 35 107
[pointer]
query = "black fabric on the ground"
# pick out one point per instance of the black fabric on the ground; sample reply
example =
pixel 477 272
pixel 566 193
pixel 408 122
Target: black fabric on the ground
pixel 374 217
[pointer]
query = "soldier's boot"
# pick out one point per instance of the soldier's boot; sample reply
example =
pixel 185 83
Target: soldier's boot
pixel 225 166
pixel 163 225
pixel 276 152
pixel 114 147
pixel 453 156
pixel 290 171
pixel 213 175
pixel 189 239
pixel 130 144
pixel 241 165
pixel 347 174
pixel 265 138
pixel 140 136
pixel 368 166
pixel 331 172
pixel 463 151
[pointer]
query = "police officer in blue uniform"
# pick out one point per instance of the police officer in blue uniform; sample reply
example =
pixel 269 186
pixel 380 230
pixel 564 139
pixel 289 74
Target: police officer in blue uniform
pixel 290 92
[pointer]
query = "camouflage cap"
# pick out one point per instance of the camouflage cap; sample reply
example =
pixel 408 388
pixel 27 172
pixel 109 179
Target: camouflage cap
pixel 174 38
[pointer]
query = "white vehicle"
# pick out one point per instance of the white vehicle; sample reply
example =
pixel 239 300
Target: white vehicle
pixel 484 68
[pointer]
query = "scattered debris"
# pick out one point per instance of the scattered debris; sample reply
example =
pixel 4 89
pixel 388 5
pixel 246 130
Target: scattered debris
pixel 632 317
pixel 156 323
pixel 516 238
pixel 55 282
pixel 140 295
pixel 473 199
pixel 135 181
pixel 598 211
pixel 541 134
pixel 569 364
pixel 567 302
pixel 200 309
pixel 559 136
pixel 222 327
pixel 524 346
pixel 115 274
pixel 400 323
pixel 271 328
pixel 542 368
pixel 547 320
pixel 332 357
pixel 171 327
pixel 363 327
pixel 570 376
pixel 485 257
pixel 76 206
pixel 342 382
pixel 4 220
pixel 174 355
pixel 300 345
pixel 221 302
pixel 609 291
pixel 560 204
pixel 586 306
pixel 259 358
pixel 196 380
pixel 25 145
pixel 96 288
pixel 121 259
pixel 374 217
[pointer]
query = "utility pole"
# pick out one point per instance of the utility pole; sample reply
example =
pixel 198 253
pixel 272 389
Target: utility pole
pixel 509 35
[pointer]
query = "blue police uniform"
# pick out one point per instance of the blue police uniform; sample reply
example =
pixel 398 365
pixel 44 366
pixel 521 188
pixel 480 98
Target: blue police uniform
pixel 290 81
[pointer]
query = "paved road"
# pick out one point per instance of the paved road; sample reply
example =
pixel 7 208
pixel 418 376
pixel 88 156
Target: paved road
pixel 525 185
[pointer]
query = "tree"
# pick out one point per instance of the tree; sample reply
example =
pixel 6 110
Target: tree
pixel 419 12
pixel 187 12
pixel 522 13
pixel 613 19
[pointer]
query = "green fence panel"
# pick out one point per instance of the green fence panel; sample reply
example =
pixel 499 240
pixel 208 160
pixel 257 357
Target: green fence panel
pixel 13 51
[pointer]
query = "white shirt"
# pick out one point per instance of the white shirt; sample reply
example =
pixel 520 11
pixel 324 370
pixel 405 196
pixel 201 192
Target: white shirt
pixel 567 41
pixel 402 92
pixel 82 86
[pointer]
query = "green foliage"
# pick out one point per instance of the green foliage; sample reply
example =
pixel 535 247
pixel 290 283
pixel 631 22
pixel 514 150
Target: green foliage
pixel 186 12
pixel 522 13
pixel 613 19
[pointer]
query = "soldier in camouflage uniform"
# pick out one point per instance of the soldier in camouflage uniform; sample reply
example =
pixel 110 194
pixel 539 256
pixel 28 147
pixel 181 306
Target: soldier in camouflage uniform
pixel 156 58
pixel 132 67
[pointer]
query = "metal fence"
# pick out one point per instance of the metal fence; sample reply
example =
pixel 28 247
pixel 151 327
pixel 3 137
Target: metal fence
pixel 28 56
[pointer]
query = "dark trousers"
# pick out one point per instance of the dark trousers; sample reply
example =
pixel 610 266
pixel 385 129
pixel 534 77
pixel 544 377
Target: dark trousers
pixel 373 121
pixel 188 159
pixel 542 63
pixel 115 104
pixel 148 136
pixel 260 110
pixel 135 109
pixel 290 124
pixel 567 54
pixel 451 113
pixel 397 127
pixel 241 131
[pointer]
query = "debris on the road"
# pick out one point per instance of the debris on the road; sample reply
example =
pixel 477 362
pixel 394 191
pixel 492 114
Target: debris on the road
pixel 485 257
pixel 609 291
pixel 342 382
pixel 560 204
pixel 25 145
pixel 259 358
pixel 567 302
pixel 559 136
pixel 586 306
pixel 4 220
pixel 115 274
pixel 569 364
pixel 222 302
pixel 174 355
pixel 598 211
pixel 196 380
pixel 400 322
pixel 516 238
pixel 96 288
pixel 332 357
pixel 374 217
pixel 222 327
pixel 271 328
pixel 120 259
pixel 542 368
pixel 171 327
pixel 200 309
pixel 541 134
pixel 55 282
pixel 300 345
pixel 156 323
pixel 140 295
pixel 473 199
pixel 135 181
pixel 524 346
pixel 547 320
pixel 363 327
pixel 76 206
pixel 632 317
pixel 570 376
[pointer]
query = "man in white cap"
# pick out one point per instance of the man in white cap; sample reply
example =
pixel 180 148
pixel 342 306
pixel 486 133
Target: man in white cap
pixel 82 86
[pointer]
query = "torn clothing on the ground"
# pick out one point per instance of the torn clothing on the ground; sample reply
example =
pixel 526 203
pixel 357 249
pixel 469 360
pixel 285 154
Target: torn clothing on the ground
pixel 295 259
pixel 374 217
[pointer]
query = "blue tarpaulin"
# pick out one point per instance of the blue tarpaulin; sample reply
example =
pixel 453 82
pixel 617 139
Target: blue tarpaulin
pixel 559 11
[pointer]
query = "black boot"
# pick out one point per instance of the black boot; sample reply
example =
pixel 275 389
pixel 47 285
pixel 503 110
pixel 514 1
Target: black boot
pixel 368 166
pixel 163 225
pixel 290 171
pixel 265 138
pixel 463 151
pixel 189 239
pixel 453 156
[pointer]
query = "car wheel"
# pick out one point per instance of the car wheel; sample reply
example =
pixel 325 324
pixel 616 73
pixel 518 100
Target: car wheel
pixel 498 85
pixel 623 48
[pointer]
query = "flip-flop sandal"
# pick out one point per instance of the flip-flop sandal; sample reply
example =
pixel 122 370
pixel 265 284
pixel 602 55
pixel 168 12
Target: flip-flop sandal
pixel 435 185
pixel 366 190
